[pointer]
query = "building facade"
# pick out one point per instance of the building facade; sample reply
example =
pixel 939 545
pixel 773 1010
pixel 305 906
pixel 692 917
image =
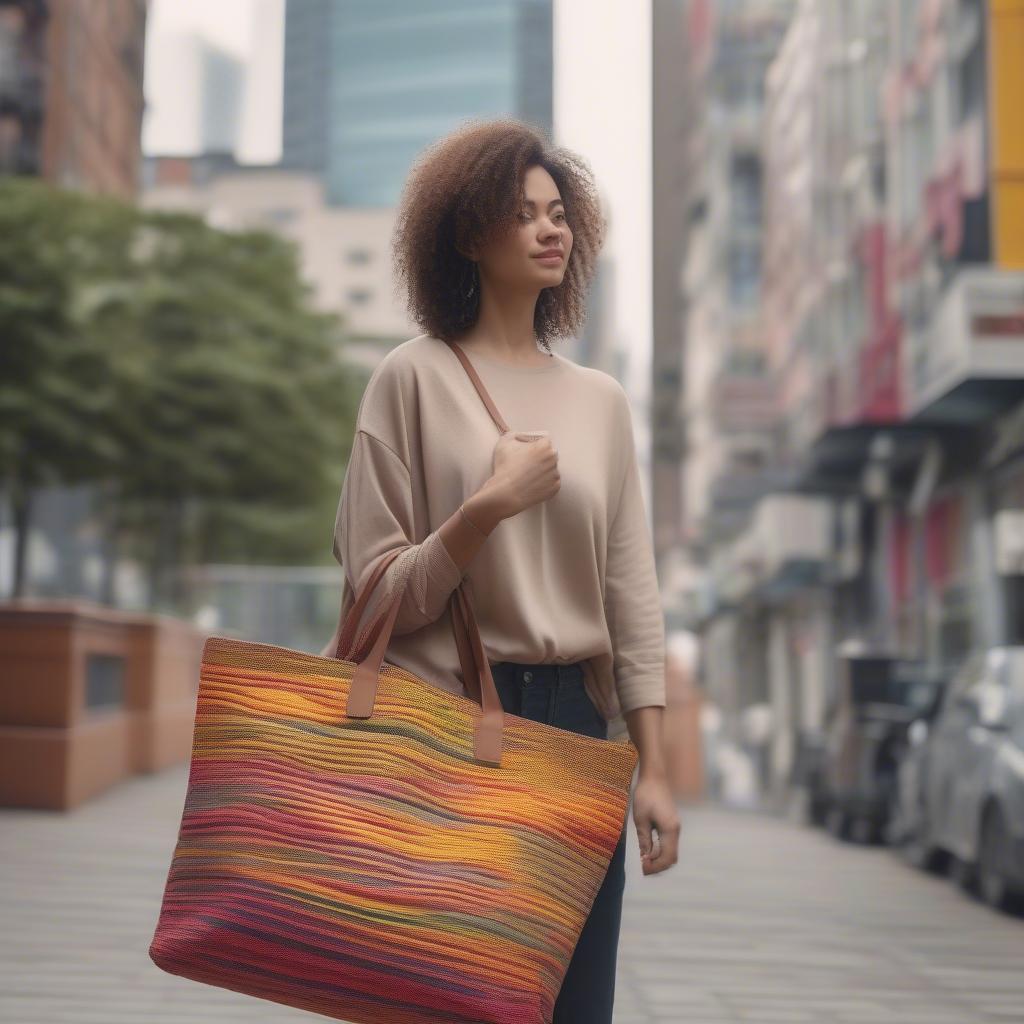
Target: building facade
pixel 728 411
pixel 892 312
pixel 71 97
pixel 208 87
pixel 344 252
pixel 727 400
pixel 368 85
pixel 955 216
pixel 679 49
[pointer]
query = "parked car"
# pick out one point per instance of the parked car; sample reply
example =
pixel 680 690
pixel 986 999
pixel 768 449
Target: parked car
pixel 808 774
pixel 973 777
pixel 866 733
pixel 906 828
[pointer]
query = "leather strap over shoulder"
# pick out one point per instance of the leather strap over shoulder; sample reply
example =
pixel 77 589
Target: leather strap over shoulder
pixel 368 649
pixel 479 385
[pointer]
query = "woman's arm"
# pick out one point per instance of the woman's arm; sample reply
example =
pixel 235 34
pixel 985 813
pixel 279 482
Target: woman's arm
pixel 464 535
pixel 636 625
pixel 654 806
pixel 375 515
pixel 632 601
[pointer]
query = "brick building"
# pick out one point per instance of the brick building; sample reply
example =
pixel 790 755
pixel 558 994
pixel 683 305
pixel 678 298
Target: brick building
pixel 71 98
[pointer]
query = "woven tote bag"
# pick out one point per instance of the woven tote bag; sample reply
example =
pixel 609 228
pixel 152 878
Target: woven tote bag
pixel 358 842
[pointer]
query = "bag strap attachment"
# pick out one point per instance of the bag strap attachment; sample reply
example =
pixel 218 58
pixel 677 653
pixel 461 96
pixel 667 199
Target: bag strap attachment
pixel 476 670
pixel 488 730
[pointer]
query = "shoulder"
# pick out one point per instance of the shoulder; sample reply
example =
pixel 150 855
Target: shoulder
pixel 387 409
pixel 421 366
pixel 603 383
pixel 419 354
pixel 605 390
pixel 416 373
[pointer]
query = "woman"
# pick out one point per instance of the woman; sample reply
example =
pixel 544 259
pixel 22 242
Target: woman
pixel 496 240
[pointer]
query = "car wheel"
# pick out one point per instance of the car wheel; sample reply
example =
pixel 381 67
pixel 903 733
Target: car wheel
pixel 963 873
pixel 817 812
pixel 862 830
pixel 892 829
pixel 919 851
pixel 993 887
pixel 837 823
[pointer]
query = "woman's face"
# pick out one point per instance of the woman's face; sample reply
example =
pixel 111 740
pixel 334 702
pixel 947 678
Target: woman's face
pixel 513 261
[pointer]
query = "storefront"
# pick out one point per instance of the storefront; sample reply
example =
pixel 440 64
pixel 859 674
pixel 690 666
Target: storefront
pixel 1007 497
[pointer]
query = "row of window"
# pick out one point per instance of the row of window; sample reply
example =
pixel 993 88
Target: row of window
pixel 282 216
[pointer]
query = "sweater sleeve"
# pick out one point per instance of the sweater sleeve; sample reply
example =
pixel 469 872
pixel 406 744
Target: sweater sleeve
pixel 632 602
pixel 375 516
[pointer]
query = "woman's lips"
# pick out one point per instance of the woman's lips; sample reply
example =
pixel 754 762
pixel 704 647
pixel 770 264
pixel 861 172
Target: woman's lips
pixel 552 259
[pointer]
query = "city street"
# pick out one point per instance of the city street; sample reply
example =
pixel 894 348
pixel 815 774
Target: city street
pixel 761 920
pixel 281 280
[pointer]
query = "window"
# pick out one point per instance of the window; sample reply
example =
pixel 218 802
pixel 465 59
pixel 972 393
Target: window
pixel 279 216
pixel 969 676
pixel 970 71
pixel 104 681
pixel 746 362
pixel 744 273
pixel 1016 733
pixel 745 185
pixel 961 715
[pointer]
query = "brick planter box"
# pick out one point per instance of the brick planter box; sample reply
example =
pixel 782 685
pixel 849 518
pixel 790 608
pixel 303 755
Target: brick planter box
pixel 90 695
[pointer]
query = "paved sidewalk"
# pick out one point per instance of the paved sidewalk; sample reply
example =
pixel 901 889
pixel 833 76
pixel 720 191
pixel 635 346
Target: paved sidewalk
pixel 766 921
pixel 760 920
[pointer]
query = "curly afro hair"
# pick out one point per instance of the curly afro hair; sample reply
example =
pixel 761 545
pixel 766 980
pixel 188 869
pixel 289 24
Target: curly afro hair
pixel 467 188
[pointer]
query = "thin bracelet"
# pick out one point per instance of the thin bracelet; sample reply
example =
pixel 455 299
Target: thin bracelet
pixel 471 523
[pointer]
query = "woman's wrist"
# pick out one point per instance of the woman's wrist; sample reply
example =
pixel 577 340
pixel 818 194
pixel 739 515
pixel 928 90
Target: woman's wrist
pixel 486 508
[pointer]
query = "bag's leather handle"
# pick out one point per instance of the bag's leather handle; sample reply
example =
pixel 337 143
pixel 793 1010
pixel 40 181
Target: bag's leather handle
pixel 487 733
pixel 476 670
pixel 349 623
pixel 479 385
pixel 350 619
pixel 345 651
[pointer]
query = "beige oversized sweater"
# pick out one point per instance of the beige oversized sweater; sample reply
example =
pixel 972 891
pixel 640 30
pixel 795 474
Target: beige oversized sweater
pixel 569 579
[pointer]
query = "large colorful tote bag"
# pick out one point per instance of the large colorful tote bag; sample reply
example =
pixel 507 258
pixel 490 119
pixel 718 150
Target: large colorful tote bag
pixel 361 843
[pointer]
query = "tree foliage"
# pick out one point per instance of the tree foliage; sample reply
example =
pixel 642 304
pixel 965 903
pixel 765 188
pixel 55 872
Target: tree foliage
pixel 180 369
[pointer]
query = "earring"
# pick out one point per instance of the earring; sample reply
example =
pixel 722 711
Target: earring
pixel 472 281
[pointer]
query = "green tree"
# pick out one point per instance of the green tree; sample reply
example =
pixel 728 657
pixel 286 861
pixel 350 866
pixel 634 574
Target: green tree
pixel 196 386
pixel 50 368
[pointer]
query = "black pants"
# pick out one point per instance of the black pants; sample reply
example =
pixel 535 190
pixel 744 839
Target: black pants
pixel 555 694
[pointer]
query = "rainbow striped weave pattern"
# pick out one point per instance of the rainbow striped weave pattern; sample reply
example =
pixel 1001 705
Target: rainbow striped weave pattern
pixel 370 869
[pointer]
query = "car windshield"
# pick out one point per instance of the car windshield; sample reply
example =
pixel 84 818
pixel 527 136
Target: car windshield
pixel 1012 674
pixel 886 684
pixel 1017 726
pixel 914 693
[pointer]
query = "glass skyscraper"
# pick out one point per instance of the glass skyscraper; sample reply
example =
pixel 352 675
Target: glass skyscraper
pixel 369 83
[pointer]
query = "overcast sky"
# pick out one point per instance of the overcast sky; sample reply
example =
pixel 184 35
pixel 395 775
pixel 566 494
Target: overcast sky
pixel 602 110
pixel 252 31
